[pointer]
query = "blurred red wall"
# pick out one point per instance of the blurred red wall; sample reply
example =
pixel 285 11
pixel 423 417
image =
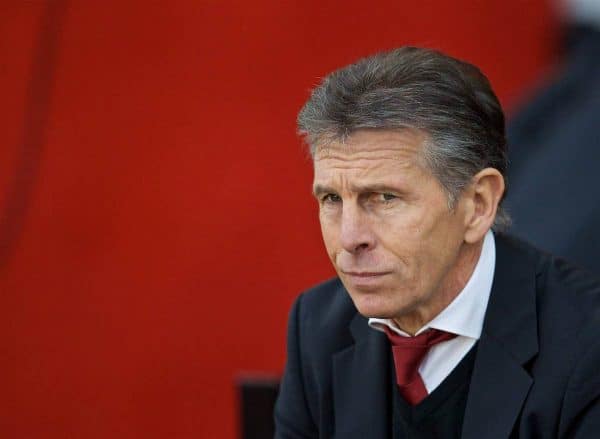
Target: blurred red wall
pixel 156 215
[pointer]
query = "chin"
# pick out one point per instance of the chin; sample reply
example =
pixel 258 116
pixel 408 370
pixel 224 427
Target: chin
pixel 372 305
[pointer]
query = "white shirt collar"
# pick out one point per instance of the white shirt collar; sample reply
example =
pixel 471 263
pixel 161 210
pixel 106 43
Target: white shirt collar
pixel 464 315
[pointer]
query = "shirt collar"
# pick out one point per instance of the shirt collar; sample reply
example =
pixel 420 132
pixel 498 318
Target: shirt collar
pixel 464 315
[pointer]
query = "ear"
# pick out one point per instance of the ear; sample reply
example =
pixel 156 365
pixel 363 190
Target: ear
pixel 487 188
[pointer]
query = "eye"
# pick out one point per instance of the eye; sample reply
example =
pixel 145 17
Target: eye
pixel 331 198
pixel 387 197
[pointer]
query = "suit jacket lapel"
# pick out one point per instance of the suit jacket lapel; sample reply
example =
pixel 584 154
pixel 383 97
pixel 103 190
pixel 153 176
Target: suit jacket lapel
pixel 500 384
pixel 361 385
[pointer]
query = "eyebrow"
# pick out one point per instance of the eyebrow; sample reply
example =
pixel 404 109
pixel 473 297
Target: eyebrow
pixel 319 189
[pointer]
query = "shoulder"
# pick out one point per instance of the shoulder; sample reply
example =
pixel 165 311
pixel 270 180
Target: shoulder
pixel 323 313
pixel 316 329
pixel 567 298
pixel 555 278
pixel 568 291
pixel 562 298
pixel 327 300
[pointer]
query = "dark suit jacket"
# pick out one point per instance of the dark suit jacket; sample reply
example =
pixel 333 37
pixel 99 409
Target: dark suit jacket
pixel 536 373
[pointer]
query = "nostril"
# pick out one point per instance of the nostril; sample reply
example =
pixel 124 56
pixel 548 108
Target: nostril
pixel 362 246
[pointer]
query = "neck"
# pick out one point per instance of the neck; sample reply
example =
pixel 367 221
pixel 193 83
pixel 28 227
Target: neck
pixel 453 283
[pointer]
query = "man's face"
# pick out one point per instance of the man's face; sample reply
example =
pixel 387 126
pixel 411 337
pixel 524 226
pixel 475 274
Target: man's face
pixel 389 233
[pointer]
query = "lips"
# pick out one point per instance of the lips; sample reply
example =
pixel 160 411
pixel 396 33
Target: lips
pixel 365 280
pixel 365 274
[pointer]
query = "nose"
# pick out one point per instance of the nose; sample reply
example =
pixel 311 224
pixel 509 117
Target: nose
pixel 355 231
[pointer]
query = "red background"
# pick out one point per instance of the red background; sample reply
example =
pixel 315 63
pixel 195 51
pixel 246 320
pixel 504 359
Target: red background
pixel 156 217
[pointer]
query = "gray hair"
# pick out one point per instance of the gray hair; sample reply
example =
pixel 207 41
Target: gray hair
pixel 449 100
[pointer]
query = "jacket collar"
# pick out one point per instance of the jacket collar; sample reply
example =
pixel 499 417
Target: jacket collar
pixel 361 384
pixel 500 384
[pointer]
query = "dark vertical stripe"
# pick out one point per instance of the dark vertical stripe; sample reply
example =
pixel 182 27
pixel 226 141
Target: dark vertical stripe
pixel 37 106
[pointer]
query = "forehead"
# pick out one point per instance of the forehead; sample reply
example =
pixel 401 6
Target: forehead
pixel 371 151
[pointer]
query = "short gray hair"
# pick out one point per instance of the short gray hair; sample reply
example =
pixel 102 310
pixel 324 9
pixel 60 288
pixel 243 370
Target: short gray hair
pixel 449 100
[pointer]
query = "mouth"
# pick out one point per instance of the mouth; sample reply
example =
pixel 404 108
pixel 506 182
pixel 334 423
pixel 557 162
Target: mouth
pixel 365 279
pixel 365 274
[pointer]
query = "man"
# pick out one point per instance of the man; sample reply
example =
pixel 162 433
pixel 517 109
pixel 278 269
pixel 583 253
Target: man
pixel 436 327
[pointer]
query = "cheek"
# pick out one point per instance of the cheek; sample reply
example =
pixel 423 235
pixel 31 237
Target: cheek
pixel 415 259
pixel 404 228
pixel 405 240
pixel 330 234
pixel 434 256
